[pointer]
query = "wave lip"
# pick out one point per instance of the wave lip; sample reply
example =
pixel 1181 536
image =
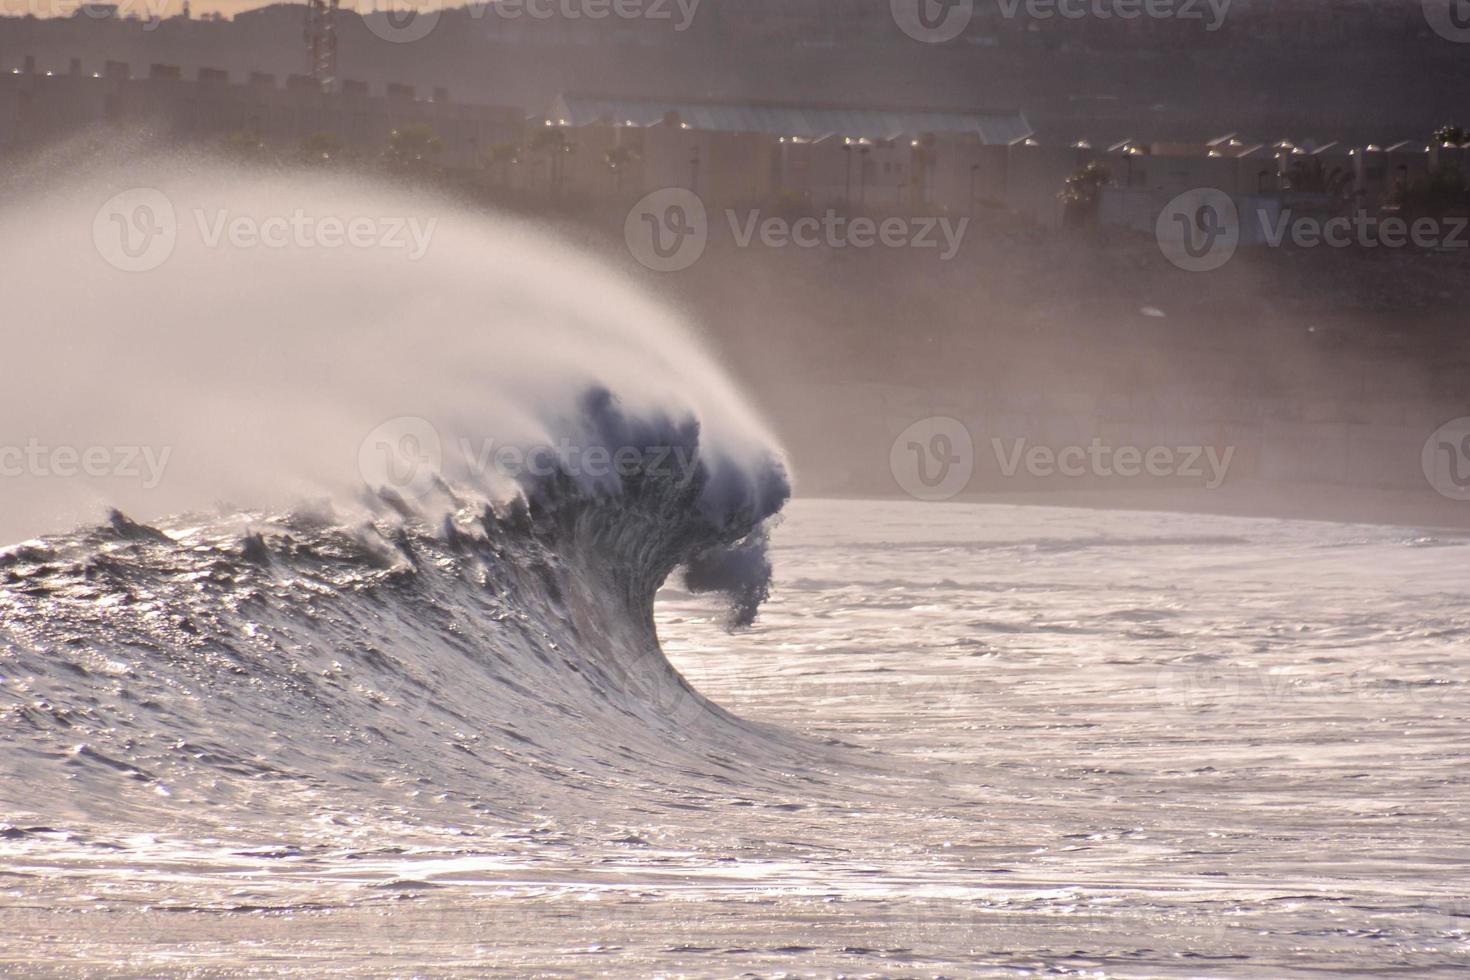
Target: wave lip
pixel 486 641
pixel 679 504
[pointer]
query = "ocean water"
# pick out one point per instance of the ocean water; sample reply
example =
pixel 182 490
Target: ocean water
pixel 958 740
pixel 341 693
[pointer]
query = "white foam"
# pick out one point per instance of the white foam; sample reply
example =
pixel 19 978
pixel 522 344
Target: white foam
pixel 261 371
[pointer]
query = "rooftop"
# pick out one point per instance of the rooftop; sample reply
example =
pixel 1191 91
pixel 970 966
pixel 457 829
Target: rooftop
pixel 789 119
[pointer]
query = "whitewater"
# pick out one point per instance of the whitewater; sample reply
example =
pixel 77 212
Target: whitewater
pixel 347 693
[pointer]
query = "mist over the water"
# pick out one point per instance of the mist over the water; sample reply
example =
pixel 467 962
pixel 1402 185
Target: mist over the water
pixel 399 570
pixel 246 373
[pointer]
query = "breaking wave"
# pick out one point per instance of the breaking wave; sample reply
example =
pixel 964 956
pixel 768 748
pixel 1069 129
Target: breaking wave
pixel 419 627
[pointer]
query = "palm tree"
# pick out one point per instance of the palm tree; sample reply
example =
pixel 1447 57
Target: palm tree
pixel 1451 134
pixel 321 148
pixel 1436 194
pixel 553 142
pixel 246 145
pixel 413 148
pixel 1082 195
pixel 501 158
pixel 1310 175
pixel 617 160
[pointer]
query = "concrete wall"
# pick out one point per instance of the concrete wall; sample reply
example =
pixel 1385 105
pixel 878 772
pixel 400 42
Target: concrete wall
pixel 723 168
pixel 1377 172
pixel 35 108
pixel 967 176
pixel 1037 174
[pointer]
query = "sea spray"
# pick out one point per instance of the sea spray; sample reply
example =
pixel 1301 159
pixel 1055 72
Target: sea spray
pixel 318 606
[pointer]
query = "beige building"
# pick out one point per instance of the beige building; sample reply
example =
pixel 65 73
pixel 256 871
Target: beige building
pixel 757 152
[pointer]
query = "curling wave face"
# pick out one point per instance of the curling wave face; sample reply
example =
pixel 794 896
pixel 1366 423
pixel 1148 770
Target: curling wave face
pixel 459 635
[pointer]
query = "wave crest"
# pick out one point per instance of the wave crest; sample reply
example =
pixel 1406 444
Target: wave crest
pixel 489 641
